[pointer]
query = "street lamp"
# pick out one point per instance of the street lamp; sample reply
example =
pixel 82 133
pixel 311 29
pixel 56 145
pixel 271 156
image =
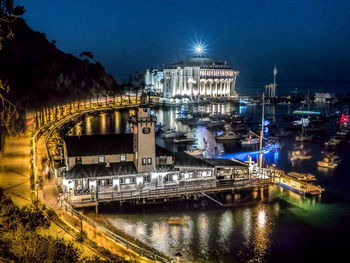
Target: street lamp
pixel 178 255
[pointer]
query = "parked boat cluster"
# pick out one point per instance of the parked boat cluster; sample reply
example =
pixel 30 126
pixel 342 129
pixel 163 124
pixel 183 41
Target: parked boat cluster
pixel 304 125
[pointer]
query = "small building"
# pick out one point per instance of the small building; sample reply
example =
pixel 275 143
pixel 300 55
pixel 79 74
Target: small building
pixel 323 98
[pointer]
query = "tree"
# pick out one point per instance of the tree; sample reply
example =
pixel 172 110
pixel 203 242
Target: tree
pixel 8 111
pixel 87 55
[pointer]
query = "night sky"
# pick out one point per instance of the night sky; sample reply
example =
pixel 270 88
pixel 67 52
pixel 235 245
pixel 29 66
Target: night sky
pixel 309 40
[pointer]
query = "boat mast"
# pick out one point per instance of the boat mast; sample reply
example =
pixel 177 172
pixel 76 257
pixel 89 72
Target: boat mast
pixel 261 132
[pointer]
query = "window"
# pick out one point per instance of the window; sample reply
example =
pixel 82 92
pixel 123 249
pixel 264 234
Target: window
pixel 122 157
pixel 122 181
pixel 132 180
pixel 144 161
pixel 101 159
pixel 109 182
pixel 147 179
pixel 77 160
pixel 146 130
pixel 162 160
pixel 149 160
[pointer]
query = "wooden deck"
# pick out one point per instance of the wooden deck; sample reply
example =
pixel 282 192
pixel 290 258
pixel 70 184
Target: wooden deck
pixel 171 193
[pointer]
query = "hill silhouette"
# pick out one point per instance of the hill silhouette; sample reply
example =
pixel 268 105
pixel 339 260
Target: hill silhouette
pixel 40 74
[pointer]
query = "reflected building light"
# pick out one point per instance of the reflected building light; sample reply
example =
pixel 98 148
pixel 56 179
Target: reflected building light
pixel 261 218
pixel 103 128
pixel 225 229
pixel 160 237
pixel 140 230
pixel 242 109
pixel 117 122
pixel 203 230
pixel 247 226
pixel 88 129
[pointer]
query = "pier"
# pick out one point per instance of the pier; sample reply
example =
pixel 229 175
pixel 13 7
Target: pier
pixel 170 193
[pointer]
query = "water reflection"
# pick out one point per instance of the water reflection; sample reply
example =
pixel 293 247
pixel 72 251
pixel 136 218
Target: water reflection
pixel 117 122
pixel 102 124
pixel 261 231
pixel 225 230
pixel 203 232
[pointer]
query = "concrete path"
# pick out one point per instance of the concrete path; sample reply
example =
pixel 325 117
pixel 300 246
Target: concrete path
pixel 15 169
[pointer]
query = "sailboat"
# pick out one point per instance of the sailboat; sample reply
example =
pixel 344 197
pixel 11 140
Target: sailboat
pixel 304 123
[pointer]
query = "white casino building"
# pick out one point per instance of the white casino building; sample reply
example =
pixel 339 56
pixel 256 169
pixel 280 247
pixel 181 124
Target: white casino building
pixel 197 77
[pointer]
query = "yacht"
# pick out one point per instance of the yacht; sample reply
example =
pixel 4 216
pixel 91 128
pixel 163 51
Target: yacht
pixel 195 152
pixel 298 155
pixel 283 133
pixel 229 135
pixel 302 138
pixel 170 133
pixel 302 176
pixel 329 161
pixel 332 142
pixel 250 141
pixel 216 123
pixel 272 145
pixel 158 127
pixel 184 139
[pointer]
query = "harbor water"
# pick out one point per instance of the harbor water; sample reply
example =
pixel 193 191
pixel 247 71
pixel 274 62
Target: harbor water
pixel 283 227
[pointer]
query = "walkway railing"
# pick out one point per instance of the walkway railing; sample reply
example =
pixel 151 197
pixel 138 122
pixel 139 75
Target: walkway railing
pixel 172 191
pixel 128 244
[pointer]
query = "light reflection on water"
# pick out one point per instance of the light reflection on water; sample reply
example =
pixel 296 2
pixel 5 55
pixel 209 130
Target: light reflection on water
pixel 205 232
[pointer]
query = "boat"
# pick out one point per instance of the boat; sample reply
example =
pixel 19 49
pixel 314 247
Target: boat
pixel 283 133
pixel 158 127
pixel 272 145
pixel 175 220
pixel 216 123
pixel 218 116
pixel 332 142
pixel 250 141
pixel 184 139
pixel 194 151
pixel 302 138
pixel 239 127
pixel 229 135
pixel 170 133
pixel 298 155
pixel 302 176
pixel 329 161
pixel 199 122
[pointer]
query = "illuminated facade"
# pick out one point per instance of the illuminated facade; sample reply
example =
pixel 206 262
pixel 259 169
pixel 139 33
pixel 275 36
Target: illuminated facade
pixel 197 77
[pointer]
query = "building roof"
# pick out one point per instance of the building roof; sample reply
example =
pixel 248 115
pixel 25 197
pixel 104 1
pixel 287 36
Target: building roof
pixel 223 162
pixel 92 145
pixel 184 159
pixel 100 170
pixel 202 62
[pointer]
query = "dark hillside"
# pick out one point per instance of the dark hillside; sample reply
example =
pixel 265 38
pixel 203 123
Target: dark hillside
pixel 39 74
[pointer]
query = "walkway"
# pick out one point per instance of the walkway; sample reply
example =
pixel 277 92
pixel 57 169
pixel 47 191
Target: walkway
pixel 15 169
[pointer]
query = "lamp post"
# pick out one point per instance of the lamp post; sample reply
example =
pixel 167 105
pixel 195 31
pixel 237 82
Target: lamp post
pixel 178 255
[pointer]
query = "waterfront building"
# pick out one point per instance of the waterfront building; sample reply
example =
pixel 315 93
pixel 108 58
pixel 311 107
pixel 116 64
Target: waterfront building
pixel 98 166
pixel 197 77
pixel 323 98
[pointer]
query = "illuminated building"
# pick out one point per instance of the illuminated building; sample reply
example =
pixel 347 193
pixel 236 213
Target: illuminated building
pixel 197 77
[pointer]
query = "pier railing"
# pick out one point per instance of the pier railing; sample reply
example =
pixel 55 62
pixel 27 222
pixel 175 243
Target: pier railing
pixel 172 191
pixel 128 244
